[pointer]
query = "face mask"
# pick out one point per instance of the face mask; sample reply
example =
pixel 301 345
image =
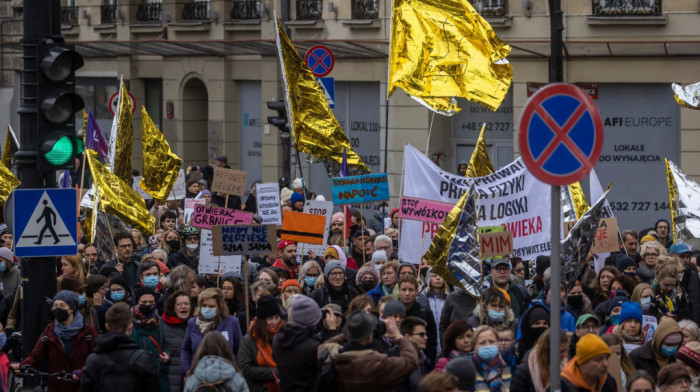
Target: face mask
pixel 192 247
pixel 81 299
pixel 146 309
pixel 118 295
pixel 668 351
pixel 424 271
pixel 395 243
pixel 368 285
pixel 496 315
pixel 630 274
pixel 2 266
pixel 575 301
pixel 173 244
pixel 615 319
pixel 488 353
pixel 536 332
pixel 310 281
pixel 3 340
pixel 646 303
pixel 208 313
pixel 60 315
pixel 377 267
pixel 151 281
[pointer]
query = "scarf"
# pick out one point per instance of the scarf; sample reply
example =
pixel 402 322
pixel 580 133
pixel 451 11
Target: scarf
pixel 148 322
pixel 627 338
pixel 172 320
pixel 491 373
pixel 68 332
pixel 264 357
pixel 205 325
pixel 386 290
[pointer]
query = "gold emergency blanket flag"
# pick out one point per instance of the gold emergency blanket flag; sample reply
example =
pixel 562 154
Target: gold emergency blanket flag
pixel 11 147
pixel 314 126
pixel 160 165
pixel 480 163
pixel 579 199
pixel 118 198
pixel 8 182
pixel 442 49
pixel 687 96
pixel 124 138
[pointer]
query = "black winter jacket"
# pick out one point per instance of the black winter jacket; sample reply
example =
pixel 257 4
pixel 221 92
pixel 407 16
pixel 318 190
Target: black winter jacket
pixel 295 351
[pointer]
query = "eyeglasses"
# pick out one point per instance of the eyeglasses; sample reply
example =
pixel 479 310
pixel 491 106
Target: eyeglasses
pixel 421 334
pixel 339 273
pixel 388 273
pixel 651 255
pixel 587 327
pixel 182 304
pixel 501 269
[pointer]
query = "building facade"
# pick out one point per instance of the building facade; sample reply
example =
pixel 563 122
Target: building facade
pixel 205 71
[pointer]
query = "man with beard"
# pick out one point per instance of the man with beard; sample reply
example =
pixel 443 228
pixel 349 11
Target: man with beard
pixel 358 247
pixel 288 258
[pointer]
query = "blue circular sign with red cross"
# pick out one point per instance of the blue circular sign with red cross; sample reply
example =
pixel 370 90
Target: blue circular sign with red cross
pixel 561 134
pixel 320 60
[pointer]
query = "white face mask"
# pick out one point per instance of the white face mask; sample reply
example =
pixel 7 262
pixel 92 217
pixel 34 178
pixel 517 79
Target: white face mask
pixel 192 247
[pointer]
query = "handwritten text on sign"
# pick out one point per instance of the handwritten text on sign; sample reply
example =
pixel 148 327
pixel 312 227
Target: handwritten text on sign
pixel 606 237
pixel 423 210
pixel 207 216
pixel 229 181
pixel 244 239
pixel 268 196
pixel 360 189
pixel 495 244
pixel 210 264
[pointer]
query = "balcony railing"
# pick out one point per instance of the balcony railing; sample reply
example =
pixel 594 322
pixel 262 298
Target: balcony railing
pixel 149 12
pixel 69 16
pixel 246 10
pixel 491 7
pixel 627 7
pixel 365 9
pixel 108 14
pixel 196 10
pixel 309 9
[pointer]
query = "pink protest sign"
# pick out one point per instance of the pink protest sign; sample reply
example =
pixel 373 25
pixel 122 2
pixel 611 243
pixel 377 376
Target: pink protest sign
pixel 423 210
pixel 205 217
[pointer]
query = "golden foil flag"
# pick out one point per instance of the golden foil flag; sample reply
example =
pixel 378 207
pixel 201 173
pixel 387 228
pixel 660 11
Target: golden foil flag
pixel 314 126
pixel 160 165
pixel 11 147
pixel 672 197
pixel 480 163
pixel 442 49
pixel 579 199
pixel 85 120
pixel 8 182
pixel 687 96
pixel 118 198
pixel 124 140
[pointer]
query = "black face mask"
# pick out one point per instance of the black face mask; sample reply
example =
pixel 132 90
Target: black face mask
pixel 173 244
pixel 368 285
pixel 536 332
pixel 630 274
pixel 146 310
pixel 424 271
pixel 61 315
pixel 395 243
pixel 575 301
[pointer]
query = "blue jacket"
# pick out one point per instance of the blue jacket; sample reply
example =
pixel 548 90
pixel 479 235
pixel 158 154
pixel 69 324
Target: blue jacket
pixel 568 322
pixel 376 293
pixel 229 327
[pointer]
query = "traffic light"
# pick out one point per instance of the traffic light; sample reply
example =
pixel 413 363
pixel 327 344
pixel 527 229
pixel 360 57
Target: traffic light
pixel 57 102
pixel 281 120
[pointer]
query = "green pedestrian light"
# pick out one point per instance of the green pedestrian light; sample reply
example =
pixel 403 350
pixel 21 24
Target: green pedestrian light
pixel 58 149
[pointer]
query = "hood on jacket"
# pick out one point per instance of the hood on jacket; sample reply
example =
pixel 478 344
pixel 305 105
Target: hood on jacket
pixel 291 335
pixel 667 326
pixel 341 256
pixel 572 373
pixel 479 313
pixel 211 368
pixel 112 341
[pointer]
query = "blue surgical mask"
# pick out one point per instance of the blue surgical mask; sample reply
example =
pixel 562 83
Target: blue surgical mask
pixel 151 281
pixel 615 319
pixel 496 315
pixel 488 353
pixel 646 303
pixel 118 295
pixel 310 281
pixel 668 351
pixel 3 340
pixel 81 299
pixel 208 313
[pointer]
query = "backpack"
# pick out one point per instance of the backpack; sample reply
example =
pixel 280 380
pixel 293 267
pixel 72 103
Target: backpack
pixel 118 376
pixel 326 381
pixel 219 386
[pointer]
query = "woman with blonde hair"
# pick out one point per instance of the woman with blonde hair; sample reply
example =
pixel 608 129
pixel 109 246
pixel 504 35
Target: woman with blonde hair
pixel 491 367
pixel 650 253
pixel 73 265
pixel 671 299
pixel 533 373
pixel 171 242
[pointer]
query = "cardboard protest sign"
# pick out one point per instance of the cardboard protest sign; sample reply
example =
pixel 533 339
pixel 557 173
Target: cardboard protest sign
pixel 205 217
pixel 360 189
pixel 209 263
pixel 229 181
pixel 179 189
pixel 606 236
pixel 189 209
pixel 268 197
pixel 317 207
pixel 615 369
pixel 302 227
pixel 423 210
pixel 495 244
pixel 244 239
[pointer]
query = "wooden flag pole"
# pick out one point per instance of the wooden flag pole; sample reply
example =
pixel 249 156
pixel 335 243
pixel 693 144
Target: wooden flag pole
pixel 218 266
pixel 247 294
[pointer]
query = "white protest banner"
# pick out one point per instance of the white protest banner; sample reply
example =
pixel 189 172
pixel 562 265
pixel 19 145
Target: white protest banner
pixel 135 185
pixel 179 191
pixel 189 208
pixel 208 263
pixel 244 239
pixel 268 196
pixel 317 207
pixel 511 197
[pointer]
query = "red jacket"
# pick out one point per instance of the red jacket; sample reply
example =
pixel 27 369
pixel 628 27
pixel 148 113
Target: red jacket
pixel 49 347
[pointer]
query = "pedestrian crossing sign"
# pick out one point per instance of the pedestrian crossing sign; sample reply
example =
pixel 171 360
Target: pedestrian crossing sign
pixel 44 222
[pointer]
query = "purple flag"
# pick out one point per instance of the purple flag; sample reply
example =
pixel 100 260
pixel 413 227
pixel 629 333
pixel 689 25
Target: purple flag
pixel 65 181
pixel 94 139
pixel 344 164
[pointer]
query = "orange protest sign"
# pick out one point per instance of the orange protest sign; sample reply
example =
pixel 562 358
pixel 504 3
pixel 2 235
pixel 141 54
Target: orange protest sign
pixel 302 227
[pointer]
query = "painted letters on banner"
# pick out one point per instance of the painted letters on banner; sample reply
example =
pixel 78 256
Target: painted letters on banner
pixel 244 239
pixel 360 189
pixel 424 210
pixel 209 264
pixel 510 197
pixel 205 217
